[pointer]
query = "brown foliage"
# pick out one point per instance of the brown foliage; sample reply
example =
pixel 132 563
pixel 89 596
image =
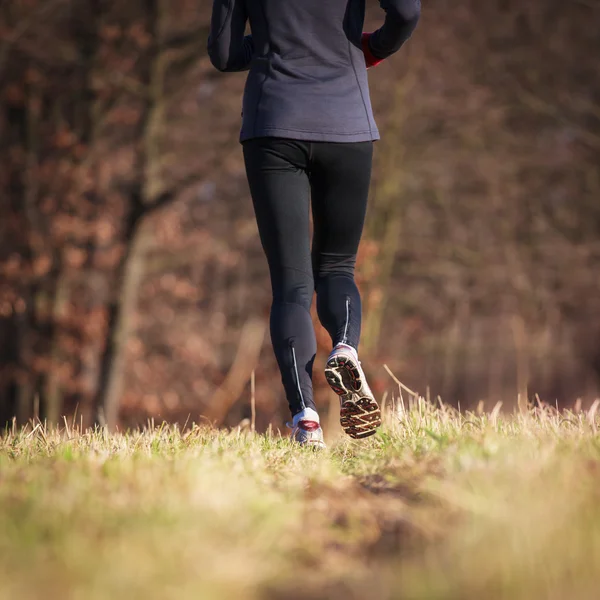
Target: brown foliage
pixel 129 261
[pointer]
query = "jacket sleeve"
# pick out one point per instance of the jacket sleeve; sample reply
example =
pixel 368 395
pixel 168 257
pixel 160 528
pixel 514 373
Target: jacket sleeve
pixel 401 18
pixel 228 48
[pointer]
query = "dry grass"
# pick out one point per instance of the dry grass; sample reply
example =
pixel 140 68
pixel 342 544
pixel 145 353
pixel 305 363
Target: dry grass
pixel 437 505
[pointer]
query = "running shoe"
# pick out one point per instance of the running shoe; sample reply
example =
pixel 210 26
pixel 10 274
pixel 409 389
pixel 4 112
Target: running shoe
pixel 359 412
pixel 308 433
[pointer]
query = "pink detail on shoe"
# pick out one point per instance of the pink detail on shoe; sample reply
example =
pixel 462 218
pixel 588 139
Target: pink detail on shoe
pixel 308 425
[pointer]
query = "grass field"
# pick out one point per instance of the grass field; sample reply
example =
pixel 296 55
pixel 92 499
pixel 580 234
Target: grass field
pixel 437 505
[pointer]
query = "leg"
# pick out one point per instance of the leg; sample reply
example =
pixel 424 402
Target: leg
pixel 340 178
pixel 276 170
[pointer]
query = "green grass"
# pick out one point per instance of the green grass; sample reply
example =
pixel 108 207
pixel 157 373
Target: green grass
pixel 437 505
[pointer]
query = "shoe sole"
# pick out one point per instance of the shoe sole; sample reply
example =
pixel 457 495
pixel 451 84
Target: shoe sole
pixel 313 444
pixel 360 415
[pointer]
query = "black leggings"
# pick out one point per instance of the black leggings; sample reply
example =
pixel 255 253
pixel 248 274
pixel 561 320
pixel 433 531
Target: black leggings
pixel 283 174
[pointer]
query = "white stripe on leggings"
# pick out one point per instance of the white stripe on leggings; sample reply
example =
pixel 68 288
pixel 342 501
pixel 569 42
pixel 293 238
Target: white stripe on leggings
pixel 298 378
pixel 345 338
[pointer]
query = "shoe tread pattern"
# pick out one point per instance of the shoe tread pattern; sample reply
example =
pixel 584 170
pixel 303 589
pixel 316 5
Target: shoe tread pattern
pixel 360 415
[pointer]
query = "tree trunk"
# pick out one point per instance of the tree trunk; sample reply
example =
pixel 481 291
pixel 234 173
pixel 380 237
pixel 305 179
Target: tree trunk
pixel 112 371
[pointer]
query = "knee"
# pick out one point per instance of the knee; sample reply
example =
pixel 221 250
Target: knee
pixel 299 294
pixel 335 264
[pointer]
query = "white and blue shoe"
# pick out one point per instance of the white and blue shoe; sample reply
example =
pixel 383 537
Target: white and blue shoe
pixel 360 415
pixel 306 429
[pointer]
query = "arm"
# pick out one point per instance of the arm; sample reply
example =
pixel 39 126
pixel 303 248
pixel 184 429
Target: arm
pixel 401 18
pixel 228 49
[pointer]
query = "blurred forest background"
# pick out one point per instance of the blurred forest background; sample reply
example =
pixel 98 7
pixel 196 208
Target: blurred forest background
pixel 132 282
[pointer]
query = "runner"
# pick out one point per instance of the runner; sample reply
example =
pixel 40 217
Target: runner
pixel 307 135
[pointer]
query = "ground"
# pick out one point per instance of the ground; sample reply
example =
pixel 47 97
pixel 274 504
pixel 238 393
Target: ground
pixel 437 505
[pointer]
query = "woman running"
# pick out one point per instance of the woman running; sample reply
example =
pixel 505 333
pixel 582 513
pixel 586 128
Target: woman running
pixel 307 136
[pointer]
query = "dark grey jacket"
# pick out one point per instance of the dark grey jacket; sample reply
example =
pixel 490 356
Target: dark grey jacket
pixel 308 78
